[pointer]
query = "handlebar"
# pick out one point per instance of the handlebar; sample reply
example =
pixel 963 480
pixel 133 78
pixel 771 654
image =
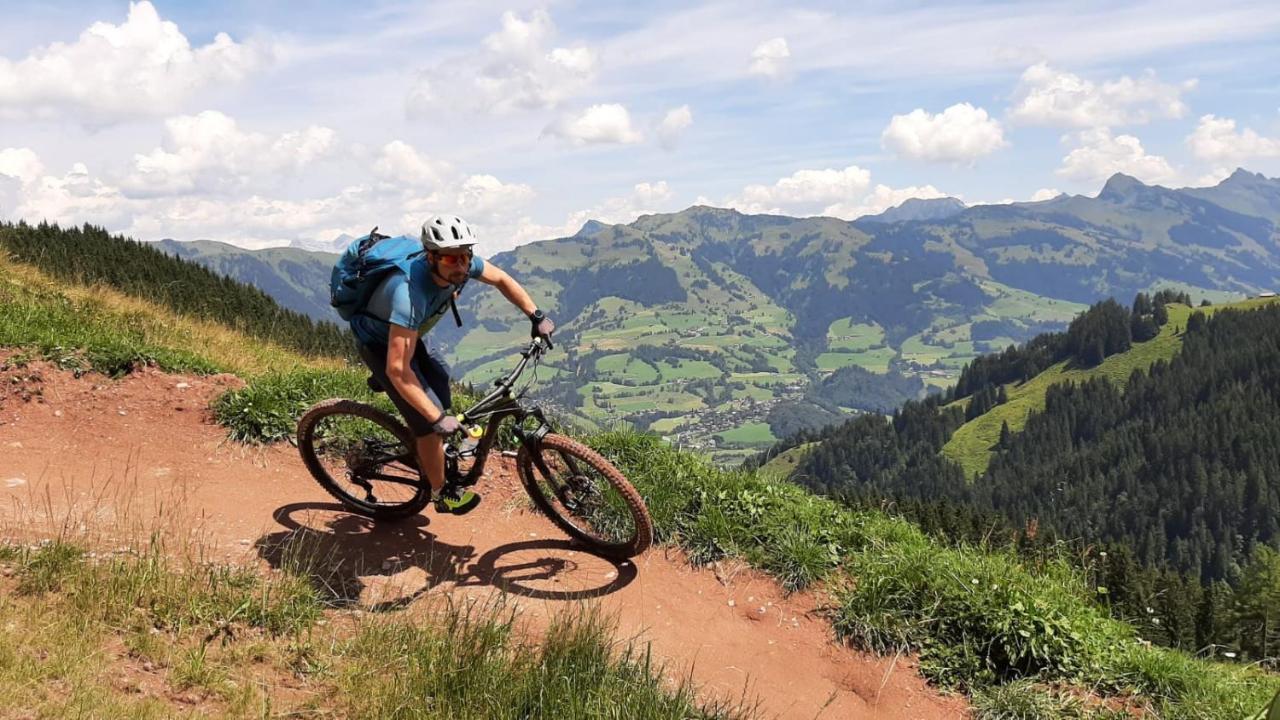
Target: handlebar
pixel 533 352
pixel 502 387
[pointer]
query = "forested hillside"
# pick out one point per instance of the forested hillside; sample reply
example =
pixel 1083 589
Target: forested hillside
pixel 297 279
pixel 1175 469
pixel 90 255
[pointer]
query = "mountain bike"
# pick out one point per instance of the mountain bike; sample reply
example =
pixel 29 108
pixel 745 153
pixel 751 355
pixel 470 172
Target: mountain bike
pixel 364 457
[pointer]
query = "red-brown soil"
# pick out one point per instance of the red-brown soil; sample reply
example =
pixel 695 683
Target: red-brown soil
pixel 112 459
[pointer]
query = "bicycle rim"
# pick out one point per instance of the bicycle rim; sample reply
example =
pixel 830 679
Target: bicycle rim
pixel 363 459
pixel 586 496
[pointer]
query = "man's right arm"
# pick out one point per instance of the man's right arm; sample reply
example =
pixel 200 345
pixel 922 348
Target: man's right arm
pixel 400 347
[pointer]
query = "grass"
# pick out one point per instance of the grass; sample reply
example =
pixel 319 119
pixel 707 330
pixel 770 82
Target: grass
pixel 980 619
pixel 844 334
pixel 111 330
pixel 670 424
pixel 134 635
pixel 970 445
pixel 268 407
pixel 687 370
pixel 754 433
pixel 625 366
pixel 474 664
pixel 782 465
pixel 876 361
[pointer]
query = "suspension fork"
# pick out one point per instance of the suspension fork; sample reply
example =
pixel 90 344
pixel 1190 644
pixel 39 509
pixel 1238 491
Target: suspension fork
pixel 532 439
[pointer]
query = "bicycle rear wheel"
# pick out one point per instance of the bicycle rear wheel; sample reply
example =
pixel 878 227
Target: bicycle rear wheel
pixel 586 496
pixel 363 457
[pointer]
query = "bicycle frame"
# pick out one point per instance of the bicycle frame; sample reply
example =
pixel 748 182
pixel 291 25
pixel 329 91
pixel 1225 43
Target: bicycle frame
pixel 495 408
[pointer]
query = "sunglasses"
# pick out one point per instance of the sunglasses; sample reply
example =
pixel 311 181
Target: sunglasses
pixel 454 260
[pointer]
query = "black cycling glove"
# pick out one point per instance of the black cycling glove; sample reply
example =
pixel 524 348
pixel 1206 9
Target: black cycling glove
pixel 446 425
pixel 542 326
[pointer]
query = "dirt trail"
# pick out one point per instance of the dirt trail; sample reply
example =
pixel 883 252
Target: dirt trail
pixel 129 456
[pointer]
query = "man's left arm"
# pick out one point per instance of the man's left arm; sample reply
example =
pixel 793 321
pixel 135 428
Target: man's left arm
pixel 518 296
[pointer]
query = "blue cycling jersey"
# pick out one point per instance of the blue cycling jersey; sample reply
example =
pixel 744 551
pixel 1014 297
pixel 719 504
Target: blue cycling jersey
pixel 410 300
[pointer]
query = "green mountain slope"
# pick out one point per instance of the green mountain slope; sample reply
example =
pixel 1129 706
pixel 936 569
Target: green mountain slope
pixel 90 255
pixel 297 279
pixel 1162 460
pixel 699 322
pixel 973 444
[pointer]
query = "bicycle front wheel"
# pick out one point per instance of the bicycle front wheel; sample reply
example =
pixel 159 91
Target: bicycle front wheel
pixel 363 457
pixel 586 496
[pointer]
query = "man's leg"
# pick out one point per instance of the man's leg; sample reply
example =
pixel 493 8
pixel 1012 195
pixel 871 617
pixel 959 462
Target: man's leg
pixel 428 445
pixel 430 449
pixel 433 373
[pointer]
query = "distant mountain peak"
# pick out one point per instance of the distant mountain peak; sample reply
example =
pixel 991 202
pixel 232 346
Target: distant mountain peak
pixel 919 209
pixel 590 228
pixel 1121 187
pixel 1243 177
pixel 336 245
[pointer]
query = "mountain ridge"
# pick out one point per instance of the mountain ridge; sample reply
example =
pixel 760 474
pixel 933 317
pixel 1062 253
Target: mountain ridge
pixel 745 306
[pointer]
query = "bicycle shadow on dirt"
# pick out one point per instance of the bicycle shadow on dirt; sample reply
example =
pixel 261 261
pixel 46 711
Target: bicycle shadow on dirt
pixel 342 554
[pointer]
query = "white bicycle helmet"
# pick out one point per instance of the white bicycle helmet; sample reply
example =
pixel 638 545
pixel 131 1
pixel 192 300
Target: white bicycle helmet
pixel 442 232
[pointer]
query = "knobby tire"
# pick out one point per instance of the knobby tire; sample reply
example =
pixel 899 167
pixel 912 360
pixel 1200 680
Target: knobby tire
pixel 306 446
pixel 640 540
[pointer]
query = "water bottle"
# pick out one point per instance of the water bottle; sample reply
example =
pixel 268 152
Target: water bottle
pixel 472 432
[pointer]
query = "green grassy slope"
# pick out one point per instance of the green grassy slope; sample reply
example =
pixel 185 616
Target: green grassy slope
pixel 784 463
pixel 971 444
pixel 113 329
pixel 297 279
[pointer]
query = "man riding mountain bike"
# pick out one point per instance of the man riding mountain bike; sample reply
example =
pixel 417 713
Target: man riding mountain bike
pixel 389 333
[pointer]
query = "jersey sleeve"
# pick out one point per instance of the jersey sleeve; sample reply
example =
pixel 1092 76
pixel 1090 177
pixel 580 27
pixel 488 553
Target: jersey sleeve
pixel 403 312
pixel 477 267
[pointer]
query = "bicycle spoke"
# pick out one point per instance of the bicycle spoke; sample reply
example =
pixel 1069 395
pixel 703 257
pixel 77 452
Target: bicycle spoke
pixel 585 498
pixel 365 461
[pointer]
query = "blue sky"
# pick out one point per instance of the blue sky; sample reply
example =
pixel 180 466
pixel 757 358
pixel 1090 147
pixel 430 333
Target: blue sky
pixel 271 122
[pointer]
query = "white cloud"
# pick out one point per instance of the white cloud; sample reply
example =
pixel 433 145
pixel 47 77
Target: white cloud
pixel 1101 155
pixel 400 164
pixel 1046 96
pixel 1045 194
pixel 142 67
pixel 644 198
pixel 1213 177
pixel 598 124
pixel 209 152
pixel 21 164
pixel 880 199
pixel 1216 140
pixel 73 198
pixel 960 134
pixel 673 126
pixel 770 58
pixel 515 70
pixel 846 194
pixel 488 199
pixel 804 191
pixel 259 219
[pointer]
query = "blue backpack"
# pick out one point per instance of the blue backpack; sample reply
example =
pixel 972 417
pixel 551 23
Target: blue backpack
pixel 365 263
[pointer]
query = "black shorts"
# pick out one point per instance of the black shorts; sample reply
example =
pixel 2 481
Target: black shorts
pixel 432 372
